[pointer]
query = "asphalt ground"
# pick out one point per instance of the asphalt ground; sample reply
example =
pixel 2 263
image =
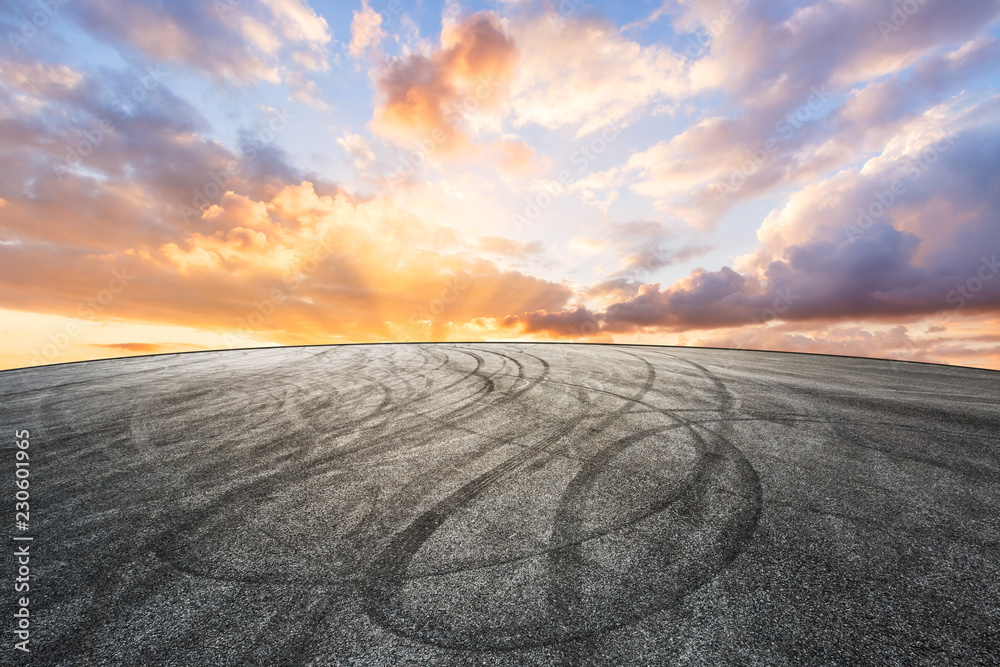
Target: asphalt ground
pixel 505 504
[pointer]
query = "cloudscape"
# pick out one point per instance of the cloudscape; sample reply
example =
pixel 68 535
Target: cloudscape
pixel 815 176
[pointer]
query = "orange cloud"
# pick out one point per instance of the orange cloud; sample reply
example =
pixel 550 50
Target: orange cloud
pixel 518 158
pixel 429 98
pixel 296 267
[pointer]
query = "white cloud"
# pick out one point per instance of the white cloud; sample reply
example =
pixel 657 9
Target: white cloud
pixel 583 73
pixel 366 31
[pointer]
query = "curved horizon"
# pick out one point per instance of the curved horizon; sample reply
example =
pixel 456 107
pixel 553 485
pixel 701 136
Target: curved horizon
pixel 495 342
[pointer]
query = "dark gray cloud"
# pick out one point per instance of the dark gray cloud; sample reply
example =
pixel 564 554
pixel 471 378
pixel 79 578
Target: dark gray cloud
pixel 917 236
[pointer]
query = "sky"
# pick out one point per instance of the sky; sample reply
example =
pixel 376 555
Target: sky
pixel 204 174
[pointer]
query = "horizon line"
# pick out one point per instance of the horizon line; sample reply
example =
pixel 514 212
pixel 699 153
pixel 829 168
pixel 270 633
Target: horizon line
pixel 496 342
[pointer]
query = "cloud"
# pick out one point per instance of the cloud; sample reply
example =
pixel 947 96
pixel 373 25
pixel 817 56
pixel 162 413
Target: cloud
pixel 40 79
pixel 576 323
pixel 573 73
pixel 433 97
pixel 566 74
pixel 796 112
pixel 366 32
pixel 288 268
pixel 611 291
pixel 768 55
pixel 641 247
pixel 500 245
pixel 358 148
pixel 518 158
pixel 97 169
pixel 228 41
pixel 911 234
pixel 892 342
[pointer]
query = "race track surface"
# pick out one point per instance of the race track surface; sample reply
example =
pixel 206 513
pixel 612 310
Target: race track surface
pixel 507 504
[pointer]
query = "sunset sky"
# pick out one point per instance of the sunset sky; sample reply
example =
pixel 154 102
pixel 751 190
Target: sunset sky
pixel 202 174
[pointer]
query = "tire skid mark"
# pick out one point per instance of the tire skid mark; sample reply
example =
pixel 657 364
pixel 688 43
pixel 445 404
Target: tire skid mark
pixel 261 488
pixel 388 571
pixel 444 436
pixel 575 495
pixel 564 543
pixel 562 550
pixel 412 490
